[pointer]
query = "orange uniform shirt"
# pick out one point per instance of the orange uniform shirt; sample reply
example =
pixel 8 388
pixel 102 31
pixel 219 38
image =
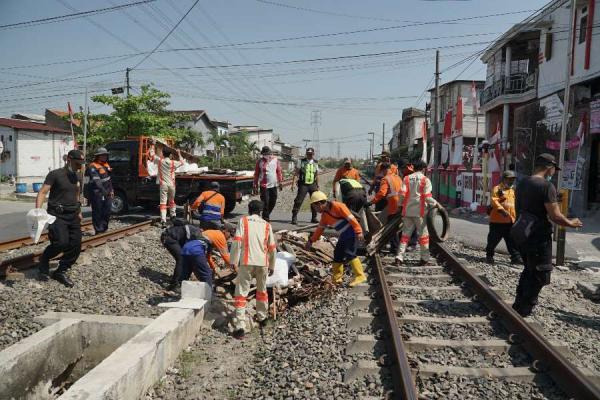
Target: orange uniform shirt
pixel 218 241
pixel 379 172
pixel 217 200
pixel 338 216
pixel 343 173
pixel 390 188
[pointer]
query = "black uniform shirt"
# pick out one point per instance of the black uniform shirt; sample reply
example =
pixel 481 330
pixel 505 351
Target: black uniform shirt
pixel 532 194
pixel 64 186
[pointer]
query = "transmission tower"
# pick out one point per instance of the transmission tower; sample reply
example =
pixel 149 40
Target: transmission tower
pixel 315 122
pixel 338 151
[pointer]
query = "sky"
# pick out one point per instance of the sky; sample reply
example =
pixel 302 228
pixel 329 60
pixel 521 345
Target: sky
pixel 269 63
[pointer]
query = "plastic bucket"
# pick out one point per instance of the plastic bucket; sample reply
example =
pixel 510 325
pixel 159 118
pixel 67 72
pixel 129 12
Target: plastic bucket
pixel 37 187
pixel 21 188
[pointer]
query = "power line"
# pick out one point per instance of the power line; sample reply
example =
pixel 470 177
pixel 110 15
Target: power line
pixel 73 15
pixel 166 37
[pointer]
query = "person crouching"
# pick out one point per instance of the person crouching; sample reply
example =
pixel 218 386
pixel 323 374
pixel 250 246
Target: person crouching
pixel 337 215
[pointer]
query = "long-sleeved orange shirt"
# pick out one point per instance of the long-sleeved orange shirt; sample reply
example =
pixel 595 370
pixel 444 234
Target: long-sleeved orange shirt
pixel 390 188
pixel 218 241
pixel 338 216
pixel 210 197
pixel 505 202
pixel 343 173
pixel 379 173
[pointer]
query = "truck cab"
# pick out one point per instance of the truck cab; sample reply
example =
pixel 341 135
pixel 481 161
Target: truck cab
pixel 133 185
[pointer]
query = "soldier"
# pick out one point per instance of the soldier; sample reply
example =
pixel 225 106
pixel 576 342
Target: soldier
pixel 308 182
pixel 99 190
pixel 415 198
pixel 65 233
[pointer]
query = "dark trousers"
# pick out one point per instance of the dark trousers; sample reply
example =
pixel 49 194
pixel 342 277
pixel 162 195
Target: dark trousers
pixel 211 225
pixel 355 199
pixel 498 232
pixel 303 190
pixel 269 199
pixel 199 266
pixel 65 238
pixel 345 248
pixel 101 207
pixel 380 205
pixel 174 248
pixel 537 260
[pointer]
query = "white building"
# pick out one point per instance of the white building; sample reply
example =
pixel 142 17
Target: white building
pixel 199 122
pixel 259 136
pixel 32 149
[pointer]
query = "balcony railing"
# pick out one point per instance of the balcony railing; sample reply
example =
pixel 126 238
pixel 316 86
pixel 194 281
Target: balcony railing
pixel 517 84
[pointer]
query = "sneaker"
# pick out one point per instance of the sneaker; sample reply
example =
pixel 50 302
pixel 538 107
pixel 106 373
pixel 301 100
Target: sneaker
pixel 489 260
pixel 174 287
pixel 43 277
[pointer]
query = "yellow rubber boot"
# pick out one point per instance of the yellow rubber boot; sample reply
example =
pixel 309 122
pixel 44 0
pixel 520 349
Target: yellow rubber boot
pixel 337 273
pixel 359 274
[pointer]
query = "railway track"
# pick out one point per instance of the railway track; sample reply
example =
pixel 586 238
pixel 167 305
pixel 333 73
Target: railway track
pixel 446 321
pixel 17 243
pixel 29 260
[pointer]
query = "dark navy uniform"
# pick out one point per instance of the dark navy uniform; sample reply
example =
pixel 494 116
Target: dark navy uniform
pixel 99 193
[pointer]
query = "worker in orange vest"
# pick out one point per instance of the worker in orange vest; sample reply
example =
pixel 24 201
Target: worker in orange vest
pixel 337 215
pixel 346 171
pixel 380 172
pixel 211 207
pixel 99 190
pixel 502 217
pixel 389 189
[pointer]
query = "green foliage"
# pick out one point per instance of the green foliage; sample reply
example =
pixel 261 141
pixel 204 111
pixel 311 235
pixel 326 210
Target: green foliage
pixel 137 115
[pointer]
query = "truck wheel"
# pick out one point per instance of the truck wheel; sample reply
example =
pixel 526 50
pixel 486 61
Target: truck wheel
pixel 119 203
pixel 229 206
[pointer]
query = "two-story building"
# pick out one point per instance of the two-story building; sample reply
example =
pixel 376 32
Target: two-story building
pixel 259 136
pixel 407 133
pixel 524 95
pixel 199 122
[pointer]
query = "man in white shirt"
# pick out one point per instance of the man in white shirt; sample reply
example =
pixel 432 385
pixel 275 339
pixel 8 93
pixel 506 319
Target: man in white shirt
pixel 267 177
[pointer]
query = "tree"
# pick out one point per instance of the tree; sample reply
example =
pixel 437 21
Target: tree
pixel 136 115
pixel 219 142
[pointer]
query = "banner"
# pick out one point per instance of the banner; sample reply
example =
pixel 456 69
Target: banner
pixel 457 151
pixel 573 174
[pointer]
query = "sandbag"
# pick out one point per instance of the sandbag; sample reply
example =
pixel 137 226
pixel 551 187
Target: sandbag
pixel 36 222
pixel 283 263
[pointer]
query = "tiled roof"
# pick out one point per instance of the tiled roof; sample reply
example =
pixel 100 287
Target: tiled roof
pixel 29 126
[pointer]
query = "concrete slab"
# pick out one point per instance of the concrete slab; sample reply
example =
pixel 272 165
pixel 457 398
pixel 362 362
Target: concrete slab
pixel 187 303
pixel 40 358
pixel 521 374
pixel 361 369
pixel 136 365
pixel 196 290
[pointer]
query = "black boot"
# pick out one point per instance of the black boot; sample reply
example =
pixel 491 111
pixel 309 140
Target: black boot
pixel 62 278
pixel 44 270
pixel 516 260
pixel 294 218
pixel 489 259
pixel 314 219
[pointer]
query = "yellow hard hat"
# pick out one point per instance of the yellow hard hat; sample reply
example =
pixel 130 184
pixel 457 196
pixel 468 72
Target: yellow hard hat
pixel 317 196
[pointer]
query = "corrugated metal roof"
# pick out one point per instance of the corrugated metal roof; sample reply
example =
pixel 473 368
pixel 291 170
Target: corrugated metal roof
pixel 29 126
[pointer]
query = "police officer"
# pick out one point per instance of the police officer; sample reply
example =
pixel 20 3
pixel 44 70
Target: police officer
pixel 99 190
pixel 308 182
pixel 65 233
pixel 537 205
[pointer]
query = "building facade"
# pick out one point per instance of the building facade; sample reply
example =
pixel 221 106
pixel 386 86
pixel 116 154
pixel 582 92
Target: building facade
pixel 407 133
pixel 32 149
pixel 199 122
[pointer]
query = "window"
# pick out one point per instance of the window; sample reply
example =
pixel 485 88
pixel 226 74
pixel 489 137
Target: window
pixel 583 25
pixel 119 155
pixel 10 138
pixel 548 46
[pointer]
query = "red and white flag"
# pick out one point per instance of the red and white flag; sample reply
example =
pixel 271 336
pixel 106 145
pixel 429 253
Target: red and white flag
pixel 474 99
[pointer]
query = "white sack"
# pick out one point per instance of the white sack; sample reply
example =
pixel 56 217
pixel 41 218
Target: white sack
pixel 283 262
pixel 36 222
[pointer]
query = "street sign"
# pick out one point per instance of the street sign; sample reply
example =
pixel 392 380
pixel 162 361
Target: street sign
pixel 117 90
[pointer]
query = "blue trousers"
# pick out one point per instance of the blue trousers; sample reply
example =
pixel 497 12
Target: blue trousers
pixel 345 249
pixel 199 266
pixel 101 207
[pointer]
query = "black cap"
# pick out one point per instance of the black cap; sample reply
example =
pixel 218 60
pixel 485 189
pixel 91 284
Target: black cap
pixel 310 150
pixel 265 150
pixel 215 186
pixel 546 160
pixel 75 155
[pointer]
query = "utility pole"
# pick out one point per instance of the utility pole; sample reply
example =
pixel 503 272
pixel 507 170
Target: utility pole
pixel 315 121
pixel 127 89
pixel 437 142
pixel 306 142
pixel 383 138
pixel 372 148
pixel 561 237
pixel 338 150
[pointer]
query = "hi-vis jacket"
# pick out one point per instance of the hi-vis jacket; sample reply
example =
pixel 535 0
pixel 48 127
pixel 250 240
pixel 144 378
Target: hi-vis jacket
pixel 380 173
pixel 503 198
pixel 416 195
pixel 253 243
pixel 99 173
pixel 390 188
pixel 217 241
pixel 338 216
pixel 214 205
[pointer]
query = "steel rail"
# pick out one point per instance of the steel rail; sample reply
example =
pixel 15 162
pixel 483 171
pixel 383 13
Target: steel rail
pixel 27 261
pixel 405 386
pixel 561 370
pixel 86 225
